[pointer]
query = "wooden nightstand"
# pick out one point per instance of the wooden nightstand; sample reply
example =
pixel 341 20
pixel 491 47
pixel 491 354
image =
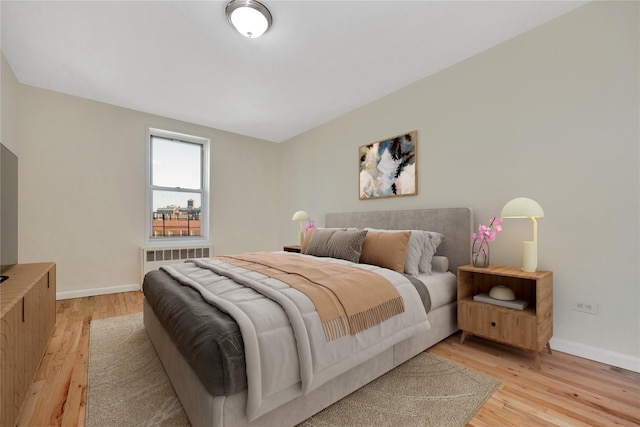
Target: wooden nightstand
pixel 529 329
pixel 292 248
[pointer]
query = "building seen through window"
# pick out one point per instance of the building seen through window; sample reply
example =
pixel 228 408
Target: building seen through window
pixel 177 221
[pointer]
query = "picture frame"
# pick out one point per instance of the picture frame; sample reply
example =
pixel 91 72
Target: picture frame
pixel 389 167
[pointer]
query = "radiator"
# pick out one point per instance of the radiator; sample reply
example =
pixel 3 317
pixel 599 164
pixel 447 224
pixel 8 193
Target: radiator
pixel 154 257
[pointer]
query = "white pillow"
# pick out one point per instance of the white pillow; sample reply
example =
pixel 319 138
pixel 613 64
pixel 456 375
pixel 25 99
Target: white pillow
pixel 433 240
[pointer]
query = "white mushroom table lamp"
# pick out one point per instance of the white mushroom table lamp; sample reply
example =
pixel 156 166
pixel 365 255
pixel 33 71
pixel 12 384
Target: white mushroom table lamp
pixel 523 207
pixel 300 216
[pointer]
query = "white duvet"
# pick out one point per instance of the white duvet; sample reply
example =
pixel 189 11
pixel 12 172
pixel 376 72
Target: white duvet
pixel 286 351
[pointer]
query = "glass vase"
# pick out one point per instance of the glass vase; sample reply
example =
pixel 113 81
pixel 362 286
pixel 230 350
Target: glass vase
pixel 480 254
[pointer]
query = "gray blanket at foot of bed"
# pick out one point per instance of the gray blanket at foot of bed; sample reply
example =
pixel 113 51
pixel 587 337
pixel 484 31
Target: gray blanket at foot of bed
pixel 208 338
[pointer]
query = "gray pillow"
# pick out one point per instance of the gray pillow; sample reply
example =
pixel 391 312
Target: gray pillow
pixel 342 244
pixel 439 264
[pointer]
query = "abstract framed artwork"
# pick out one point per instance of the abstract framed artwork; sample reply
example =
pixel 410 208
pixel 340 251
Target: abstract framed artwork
pixel 389 168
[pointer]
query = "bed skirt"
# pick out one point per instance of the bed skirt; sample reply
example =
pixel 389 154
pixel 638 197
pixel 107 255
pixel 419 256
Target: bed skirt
pixel 203 409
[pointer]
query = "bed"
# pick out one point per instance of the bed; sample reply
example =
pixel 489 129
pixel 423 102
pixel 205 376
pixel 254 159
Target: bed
pixel 216 396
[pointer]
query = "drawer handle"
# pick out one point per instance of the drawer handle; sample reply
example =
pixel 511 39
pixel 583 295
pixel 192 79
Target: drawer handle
pixel 493 323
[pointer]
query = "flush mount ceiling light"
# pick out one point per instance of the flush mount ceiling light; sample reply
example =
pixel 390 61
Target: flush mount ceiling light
pixel 250 17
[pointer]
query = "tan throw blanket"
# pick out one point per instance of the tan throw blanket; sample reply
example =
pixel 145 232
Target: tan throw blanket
pixel 348 299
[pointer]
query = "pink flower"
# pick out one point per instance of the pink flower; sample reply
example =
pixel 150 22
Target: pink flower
pixel 309 226
pixel 487 234
pixel 483 237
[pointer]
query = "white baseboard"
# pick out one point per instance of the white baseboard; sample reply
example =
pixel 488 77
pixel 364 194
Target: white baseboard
pixel 97 291
pixel 599 355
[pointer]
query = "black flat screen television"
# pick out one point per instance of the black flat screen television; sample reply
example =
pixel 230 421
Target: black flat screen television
pixel 8 210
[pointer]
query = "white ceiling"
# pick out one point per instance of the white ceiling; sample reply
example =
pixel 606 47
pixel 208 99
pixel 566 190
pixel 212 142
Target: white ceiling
pixel 183 60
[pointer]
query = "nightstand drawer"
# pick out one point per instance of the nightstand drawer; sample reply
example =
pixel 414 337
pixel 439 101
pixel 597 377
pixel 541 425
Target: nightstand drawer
pixel 510 326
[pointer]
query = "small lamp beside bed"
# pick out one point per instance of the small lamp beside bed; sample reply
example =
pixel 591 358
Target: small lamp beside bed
pixel 523 207
pixel 300 216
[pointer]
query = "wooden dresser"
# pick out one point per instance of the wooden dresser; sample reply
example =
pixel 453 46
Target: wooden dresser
pixel 27 319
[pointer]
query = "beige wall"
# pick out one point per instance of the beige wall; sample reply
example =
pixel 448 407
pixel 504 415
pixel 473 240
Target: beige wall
pixel 8 107
pixel 551 115
pixel 83 189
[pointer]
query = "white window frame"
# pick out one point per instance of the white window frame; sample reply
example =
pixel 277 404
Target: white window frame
pixel 204 209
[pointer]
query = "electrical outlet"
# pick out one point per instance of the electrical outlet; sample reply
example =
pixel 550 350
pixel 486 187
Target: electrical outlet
pixel 586 306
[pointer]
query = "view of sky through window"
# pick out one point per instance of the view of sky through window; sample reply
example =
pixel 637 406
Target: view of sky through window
pixel 176 164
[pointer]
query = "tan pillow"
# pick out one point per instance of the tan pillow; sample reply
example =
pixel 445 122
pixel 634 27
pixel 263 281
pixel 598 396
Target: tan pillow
pixel 386 250
pixel 414 249
pixel 305 242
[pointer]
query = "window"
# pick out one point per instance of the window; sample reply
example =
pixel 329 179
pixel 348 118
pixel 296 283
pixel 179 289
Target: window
pixel 178 186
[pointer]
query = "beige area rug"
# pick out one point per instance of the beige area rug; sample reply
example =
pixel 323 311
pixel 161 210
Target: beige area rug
pixel 127 383
pixel 128 387
pixel 424 391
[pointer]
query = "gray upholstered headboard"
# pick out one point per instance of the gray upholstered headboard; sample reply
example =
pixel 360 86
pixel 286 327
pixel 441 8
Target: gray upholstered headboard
pixel 456 224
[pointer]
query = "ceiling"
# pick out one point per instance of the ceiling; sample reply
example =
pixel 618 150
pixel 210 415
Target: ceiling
pixel 320 59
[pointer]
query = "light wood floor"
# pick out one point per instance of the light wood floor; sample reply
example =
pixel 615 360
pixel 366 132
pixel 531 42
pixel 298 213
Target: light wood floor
pixel 568 391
